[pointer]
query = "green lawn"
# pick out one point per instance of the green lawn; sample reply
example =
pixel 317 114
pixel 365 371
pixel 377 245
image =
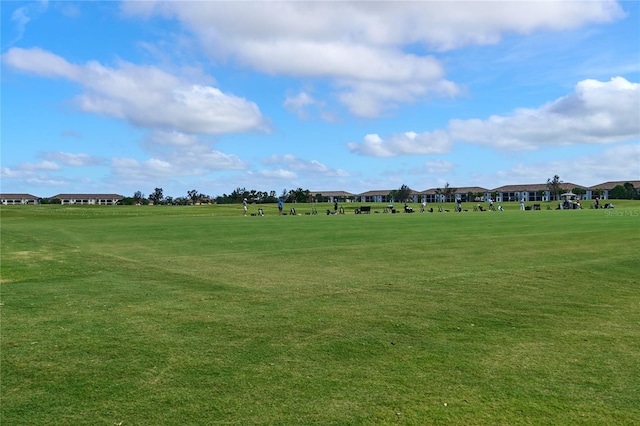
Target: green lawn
pixel 149 315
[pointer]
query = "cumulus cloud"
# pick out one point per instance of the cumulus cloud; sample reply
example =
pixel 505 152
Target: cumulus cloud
pixel 595 113
pixel 408 143
pixel 297 104
pixel 32 173
pixel 438 167
pixel 42 165
pixel 145 96
pixel 75 160
pixel 362 46
pixel 612 163
pixel 141 171
pixel 310 168
pixel 278 174
pixel 174 154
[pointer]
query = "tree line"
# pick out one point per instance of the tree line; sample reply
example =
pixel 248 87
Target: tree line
pixel 299 195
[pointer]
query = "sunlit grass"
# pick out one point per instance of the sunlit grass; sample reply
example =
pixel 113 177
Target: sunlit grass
pixel 197 315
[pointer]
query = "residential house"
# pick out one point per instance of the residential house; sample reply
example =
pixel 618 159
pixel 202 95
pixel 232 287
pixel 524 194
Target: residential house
pixel 377 196
pixel 7 199
pixel 471 194
pixel 331 196
pixel 604 189
pixel 99 199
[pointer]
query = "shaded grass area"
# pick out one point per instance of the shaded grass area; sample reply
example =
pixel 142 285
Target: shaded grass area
pixel 173 316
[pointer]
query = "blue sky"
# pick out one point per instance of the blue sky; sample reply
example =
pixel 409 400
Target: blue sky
pixel 119 97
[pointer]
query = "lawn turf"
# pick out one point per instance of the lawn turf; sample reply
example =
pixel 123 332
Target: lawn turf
pixel 198 315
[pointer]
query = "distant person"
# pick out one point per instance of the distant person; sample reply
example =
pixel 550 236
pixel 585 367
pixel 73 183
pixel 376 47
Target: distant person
pixel 244 206
pixel 423 206
pixel 280 206
pixel 522 203
pixel 597 202
pixel 490 203
pixel 335 206
pixel 458 205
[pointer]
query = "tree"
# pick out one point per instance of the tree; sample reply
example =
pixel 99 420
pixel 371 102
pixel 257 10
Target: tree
pixel 447 192
pixel 598 192
pixel 299 195
pixel 400 195
pixel 554 186
pixel 439 194
pixel 138 197
pixel 193 196
pixel 624 192
pixel 631 192
pixel 579 191
pixel 239 194
pixel 156 197
pixel 404 193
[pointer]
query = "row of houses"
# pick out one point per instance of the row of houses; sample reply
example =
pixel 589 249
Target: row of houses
pixel 528 192
pixel 97 199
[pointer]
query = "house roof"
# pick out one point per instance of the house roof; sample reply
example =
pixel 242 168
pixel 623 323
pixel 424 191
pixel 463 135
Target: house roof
pixel 472 189
pixel 87 197
pixel 613 184
pixel 463 190
pixel 383 192
pixel 18 197
pixel 332 193
pixel 535 187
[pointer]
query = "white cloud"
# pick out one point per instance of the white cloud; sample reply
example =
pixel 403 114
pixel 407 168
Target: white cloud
pixel 32 173
pixel 297 104
pixel 371 99
pixel 23 15
pixel 135 171
pixel 33 167
pixel 171 138
pixel 189 154
pixel 595 113
pixel 612 163
pixel 279 174
pixel 145 96
pixel 408 143
pixel 75 160
pixel 175 154
pixel 438 167
pixel 307 168
pixel 361 45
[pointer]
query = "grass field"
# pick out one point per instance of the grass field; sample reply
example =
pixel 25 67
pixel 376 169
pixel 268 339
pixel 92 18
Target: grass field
pixel 156 315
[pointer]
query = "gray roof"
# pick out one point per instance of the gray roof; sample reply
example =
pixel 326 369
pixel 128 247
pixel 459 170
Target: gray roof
pixel 332 193
pixel 613 184
pixel 87 197
pixel 18 197
pixel 535 187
